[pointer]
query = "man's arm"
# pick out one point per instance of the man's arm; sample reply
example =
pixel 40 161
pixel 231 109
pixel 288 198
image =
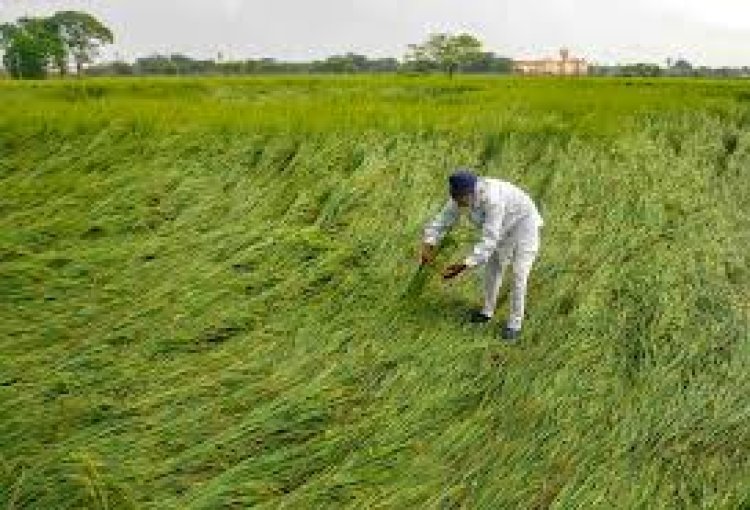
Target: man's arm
pixel 490 237
pixel 436 229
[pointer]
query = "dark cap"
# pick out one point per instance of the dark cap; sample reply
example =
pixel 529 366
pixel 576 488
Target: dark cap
pixel 462 182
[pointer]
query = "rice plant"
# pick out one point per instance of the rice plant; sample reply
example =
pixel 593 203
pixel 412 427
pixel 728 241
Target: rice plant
pixel 210 296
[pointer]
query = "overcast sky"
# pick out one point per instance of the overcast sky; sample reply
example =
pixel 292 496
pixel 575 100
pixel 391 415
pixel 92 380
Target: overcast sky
pixel 712 32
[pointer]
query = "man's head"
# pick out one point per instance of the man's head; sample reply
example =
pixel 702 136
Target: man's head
pixel 462 184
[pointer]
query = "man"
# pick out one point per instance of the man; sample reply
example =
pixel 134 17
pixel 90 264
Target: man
pixel 510 224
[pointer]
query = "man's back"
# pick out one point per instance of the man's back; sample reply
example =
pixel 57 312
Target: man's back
pixel 515 203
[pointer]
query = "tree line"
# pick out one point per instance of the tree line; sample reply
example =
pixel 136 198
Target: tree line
pixel 350 63
pixel 33 47
pixel 674 68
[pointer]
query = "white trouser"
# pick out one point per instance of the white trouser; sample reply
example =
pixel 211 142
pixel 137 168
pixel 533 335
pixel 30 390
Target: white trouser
pixel 521 245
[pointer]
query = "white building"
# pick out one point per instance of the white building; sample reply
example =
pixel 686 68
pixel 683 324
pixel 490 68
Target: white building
pixel 566 66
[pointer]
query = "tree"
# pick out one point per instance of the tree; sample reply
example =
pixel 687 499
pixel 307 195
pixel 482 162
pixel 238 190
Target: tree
pixel 30 46
pixel 354 63
pixel 82 34
pixel 448 53
pixel 156 64
pixel 338 64
pixel 683 67
pixel 489 63
pixel 7 34
pixel 7 31
pixel 640 70
pixel 116 68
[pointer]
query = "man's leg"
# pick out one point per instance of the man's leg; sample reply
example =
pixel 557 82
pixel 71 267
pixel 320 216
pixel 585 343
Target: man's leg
pixel 493 277
pixel 526 252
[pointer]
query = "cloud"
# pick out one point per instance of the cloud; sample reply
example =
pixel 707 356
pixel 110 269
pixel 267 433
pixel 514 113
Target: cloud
pixel 231 7
pixel 726 14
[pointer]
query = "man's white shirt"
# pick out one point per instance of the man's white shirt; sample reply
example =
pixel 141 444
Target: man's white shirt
pixel 497 206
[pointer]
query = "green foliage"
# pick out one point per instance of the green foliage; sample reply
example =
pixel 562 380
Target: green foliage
pixel 353 63
pixel 446 52
pixel 641 70
pixel 488 62
pixel 83 35
pixel 31 45
pixel 209 295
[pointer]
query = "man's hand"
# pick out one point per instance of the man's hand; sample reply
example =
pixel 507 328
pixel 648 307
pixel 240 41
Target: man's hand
pixel 453 271
pixel 428 254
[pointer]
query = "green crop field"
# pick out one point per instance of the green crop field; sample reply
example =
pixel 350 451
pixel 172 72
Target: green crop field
pixel 209 295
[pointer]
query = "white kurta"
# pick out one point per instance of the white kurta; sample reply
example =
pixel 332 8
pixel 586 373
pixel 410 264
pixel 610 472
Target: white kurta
pixel 510 223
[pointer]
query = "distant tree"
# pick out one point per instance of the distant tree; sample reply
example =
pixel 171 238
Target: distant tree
pixel 349 63
pixel 156 64
pixel 231 67
pixel 384 65
pixel 182 64
pixel 683 64
pixel 354 63
pixel 489 63
pixel 177 64
pixel 83 35
pixel 273 66
pixel 30 46
pixel 116 68
pixel 7 35
pixel 640 70
pixel 445 52
pixel 683 68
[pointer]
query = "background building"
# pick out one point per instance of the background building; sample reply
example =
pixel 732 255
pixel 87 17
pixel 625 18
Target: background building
pixel 566 66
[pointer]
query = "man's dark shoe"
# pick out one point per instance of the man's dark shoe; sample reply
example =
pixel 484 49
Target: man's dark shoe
pixel 477 317
pixel 510 334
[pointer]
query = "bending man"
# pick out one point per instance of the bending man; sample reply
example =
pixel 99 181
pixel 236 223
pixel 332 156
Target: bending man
pixel 510 224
